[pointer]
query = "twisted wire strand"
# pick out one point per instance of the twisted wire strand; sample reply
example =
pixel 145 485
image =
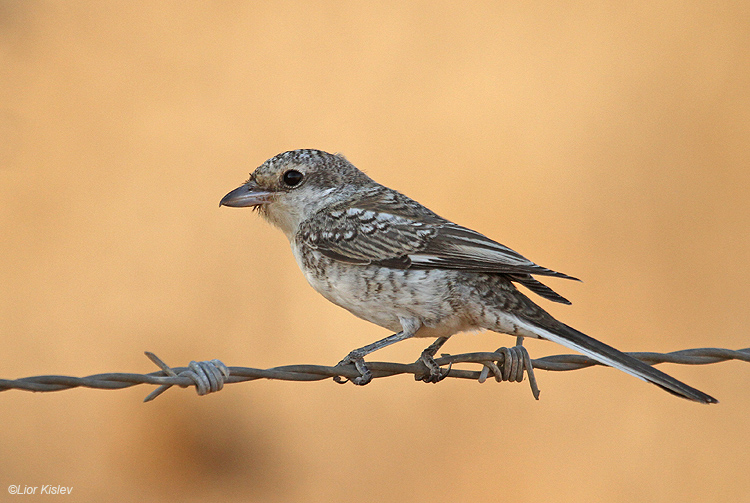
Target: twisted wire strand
pixel 211 376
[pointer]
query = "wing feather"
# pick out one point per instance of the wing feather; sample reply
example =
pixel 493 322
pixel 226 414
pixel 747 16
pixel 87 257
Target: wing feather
pixel 387 228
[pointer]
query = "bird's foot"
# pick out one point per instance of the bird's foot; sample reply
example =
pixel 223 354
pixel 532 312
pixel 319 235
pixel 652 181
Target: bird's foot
pixel 355 357
pixel 434 373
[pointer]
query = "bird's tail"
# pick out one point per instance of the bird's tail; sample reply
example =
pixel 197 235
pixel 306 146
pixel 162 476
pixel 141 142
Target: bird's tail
pixel 571 338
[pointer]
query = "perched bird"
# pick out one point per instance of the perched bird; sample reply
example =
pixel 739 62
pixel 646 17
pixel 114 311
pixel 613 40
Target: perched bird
pixel 389 260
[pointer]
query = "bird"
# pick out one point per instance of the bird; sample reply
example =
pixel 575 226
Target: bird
pixel 390 260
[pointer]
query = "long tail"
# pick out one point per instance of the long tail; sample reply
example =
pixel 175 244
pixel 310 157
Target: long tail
pixel 569 337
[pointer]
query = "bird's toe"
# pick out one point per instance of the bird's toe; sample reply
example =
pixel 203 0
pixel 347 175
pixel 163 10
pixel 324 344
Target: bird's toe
pixel 365 376
pixel 434 373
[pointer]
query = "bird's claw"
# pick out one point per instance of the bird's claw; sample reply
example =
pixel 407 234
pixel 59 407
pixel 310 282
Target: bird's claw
pixel 365 376
pixel 434 373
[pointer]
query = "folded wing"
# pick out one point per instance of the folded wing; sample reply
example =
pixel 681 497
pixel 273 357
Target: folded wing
pixel 408 235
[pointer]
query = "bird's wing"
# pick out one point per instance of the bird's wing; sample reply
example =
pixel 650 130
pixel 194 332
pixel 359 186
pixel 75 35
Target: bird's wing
pixel 389 229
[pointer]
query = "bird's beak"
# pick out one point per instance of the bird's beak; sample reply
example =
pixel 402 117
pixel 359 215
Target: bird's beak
pixel 247 195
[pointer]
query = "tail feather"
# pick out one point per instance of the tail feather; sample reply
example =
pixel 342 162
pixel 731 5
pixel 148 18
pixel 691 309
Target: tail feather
pixel 603 353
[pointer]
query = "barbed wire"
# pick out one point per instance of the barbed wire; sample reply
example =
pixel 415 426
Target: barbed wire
pixel 506 364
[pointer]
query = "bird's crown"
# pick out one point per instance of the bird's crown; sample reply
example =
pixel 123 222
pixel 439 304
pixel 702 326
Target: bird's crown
pixel 307 167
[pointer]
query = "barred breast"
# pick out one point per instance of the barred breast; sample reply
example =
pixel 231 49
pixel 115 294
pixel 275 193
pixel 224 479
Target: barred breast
pixel 384 296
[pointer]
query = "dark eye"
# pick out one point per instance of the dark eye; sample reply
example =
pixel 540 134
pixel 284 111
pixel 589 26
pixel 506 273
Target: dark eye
pixel 292 177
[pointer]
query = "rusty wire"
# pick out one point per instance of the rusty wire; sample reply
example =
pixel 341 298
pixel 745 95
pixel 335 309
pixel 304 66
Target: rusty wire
pixel 211 376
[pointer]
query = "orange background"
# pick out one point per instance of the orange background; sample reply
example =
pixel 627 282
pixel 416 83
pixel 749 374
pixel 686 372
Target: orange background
pixel 607 141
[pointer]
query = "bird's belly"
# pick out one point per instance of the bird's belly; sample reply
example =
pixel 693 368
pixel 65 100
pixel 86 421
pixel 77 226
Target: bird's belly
pixel 385 296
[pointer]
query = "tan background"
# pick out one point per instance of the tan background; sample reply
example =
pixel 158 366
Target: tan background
pixel 606 141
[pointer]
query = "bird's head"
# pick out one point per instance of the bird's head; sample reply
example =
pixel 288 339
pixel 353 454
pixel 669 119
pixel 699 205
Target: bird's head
pixel 291 186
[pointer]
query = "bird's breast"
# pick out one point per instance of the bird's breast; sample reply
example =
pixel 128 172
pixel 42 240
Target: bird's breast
pixel 384 295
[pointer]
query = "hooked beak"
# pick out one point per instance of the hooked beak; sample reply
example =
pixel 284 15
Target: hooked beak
pixel 247 195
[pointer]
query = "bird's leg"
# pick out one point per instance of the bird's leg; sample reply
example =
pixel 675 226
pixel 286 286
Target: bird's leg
pixel 357 357
pixel 427 358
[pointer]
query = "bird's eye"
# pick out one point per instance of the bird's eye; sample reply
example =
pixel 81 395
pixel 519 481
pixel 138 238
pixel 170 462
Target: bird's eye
pixel 292 177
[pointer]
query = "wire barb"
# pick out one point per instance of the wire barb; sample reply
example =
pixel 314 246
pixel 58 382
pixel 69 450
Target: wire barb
pixel 516 360
pixel 210 376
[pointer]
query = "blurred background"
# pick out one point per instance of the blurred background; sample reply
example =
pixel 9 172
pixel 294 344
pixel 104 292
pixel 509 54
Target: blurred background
pixel 608 141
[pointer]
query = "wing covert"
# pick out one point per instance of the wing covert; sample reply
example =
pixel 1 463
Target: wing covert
pixel 389 229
